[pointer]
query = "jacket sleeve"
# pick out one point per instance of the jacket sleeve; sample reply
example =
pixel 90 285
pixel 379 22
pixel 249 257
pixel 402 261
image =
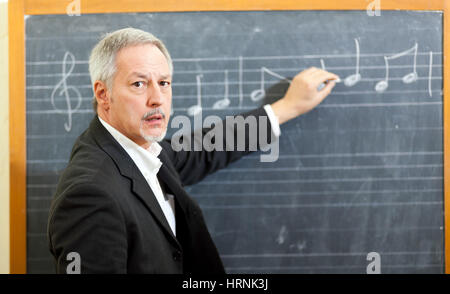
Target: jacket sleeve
pixel 84 220
pixel 193 166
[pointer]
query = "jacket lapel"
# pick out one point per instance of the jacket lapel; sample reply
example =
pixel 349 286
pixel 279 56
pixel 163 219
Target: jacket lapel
pixel 170 182
pixel 143 191
pixel 128 169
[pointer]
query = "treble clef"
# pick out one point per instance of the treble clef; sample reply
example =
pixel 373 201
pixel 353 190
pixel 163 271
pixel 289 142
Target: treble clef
pixel 62 90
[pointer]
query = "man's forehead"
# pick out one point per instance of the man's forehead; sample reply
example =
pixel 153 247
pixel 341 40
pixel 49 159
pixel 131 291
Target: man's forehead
pixel 141 55
pixel 147 75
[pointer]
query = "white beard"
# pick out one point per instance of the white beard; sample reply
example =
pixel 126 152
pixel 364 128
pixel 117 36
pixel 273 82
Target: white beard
pixel 150 138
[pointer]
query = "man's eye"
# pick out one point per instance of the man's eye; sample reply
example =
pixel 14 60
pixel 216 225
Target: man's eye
pixel 139 84
pixel 164 83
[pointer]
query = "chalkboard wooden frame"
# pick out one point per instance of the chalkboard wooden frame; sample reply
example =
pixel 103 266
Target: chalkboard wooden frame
pixel 17 113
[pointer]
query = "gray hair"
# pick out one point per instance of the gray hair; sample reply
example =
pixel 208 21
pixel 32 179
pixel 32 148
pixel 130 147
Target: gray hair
pixel 102 62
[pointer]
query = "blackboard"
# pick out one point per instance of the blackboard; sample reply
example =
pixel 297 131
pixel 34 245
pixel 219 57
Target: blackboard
pixel 360 174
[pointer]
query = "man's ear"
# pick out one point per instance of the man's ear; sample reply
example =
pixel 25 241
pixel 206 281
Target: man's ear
pixel 102 95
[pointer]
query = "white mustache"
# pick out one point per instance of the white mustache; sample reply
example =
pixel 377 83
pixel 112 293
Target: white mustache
pixel 153 112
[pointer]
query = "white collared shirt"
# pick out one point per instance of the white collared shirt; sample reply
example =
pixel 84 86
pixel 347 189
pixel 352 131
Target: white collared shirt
pixel 148 164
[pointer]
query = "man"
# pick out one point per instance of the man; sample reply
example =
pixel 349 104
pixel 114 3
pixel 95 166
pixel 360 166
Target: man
pixel 120 205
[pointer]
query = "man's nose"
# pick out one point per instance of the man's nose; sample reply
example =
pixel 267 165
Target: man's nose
pixel 154 95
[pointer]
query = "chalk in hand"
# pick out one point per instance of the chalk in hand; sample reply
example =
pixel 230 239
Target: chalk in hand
pixel 321 86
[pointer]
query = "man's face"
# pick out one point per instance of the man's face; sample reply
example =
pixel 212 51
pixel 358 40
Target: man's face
pixel 142 85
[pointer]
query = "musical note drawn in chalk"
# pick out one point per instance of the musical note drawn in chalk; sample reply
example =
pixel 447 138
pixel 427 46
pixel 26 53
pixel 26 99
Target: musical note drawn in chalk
pixel 381 86
pixel 351 80
pixel 196 109
pixel 430 73
pixel 221 104
pixel 257 95
pixel 322 65
pixel 62 90
pixel 241 71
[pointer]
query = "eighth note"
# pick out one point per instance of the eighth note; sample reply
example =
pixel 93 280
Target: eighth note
pixel 321 86
pixel 196 109
pixel 64 91
pixel 381 86
pixel 221 104
pixel 351 80
pixel 430 74
pixel 257 95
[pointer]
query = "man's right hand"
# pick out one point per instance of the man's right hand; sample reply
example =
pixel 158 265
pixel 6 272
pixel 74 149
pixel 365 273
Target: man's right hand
pixel 303 94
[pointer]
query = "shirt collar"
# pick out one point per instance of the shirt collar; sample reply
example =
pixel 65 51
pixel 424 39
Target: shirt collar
pixel 146 159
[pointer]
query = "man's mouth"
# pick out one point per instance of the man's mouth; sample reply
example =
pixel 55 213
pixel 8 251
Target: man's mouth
pixel 153 118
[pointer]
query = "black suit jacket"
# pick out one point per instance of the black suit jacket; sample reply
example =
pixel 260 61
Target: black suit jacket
pixel 105 211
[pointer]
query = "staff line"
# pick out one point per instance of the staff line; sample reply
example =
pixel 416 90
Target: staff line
pixel 370 154
pixel 252 255
pixel 277 194
pixel 319 180
pixel 317 168
pixel 395 129
pixel 299 181
pixel 411 166
pixel 218 96
pixel 221 83
pixel 84 111
pixel 234 269
pixel 307 56
pixel 305 156
pixel 294 206
pixel 220 71
pixel 300 194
